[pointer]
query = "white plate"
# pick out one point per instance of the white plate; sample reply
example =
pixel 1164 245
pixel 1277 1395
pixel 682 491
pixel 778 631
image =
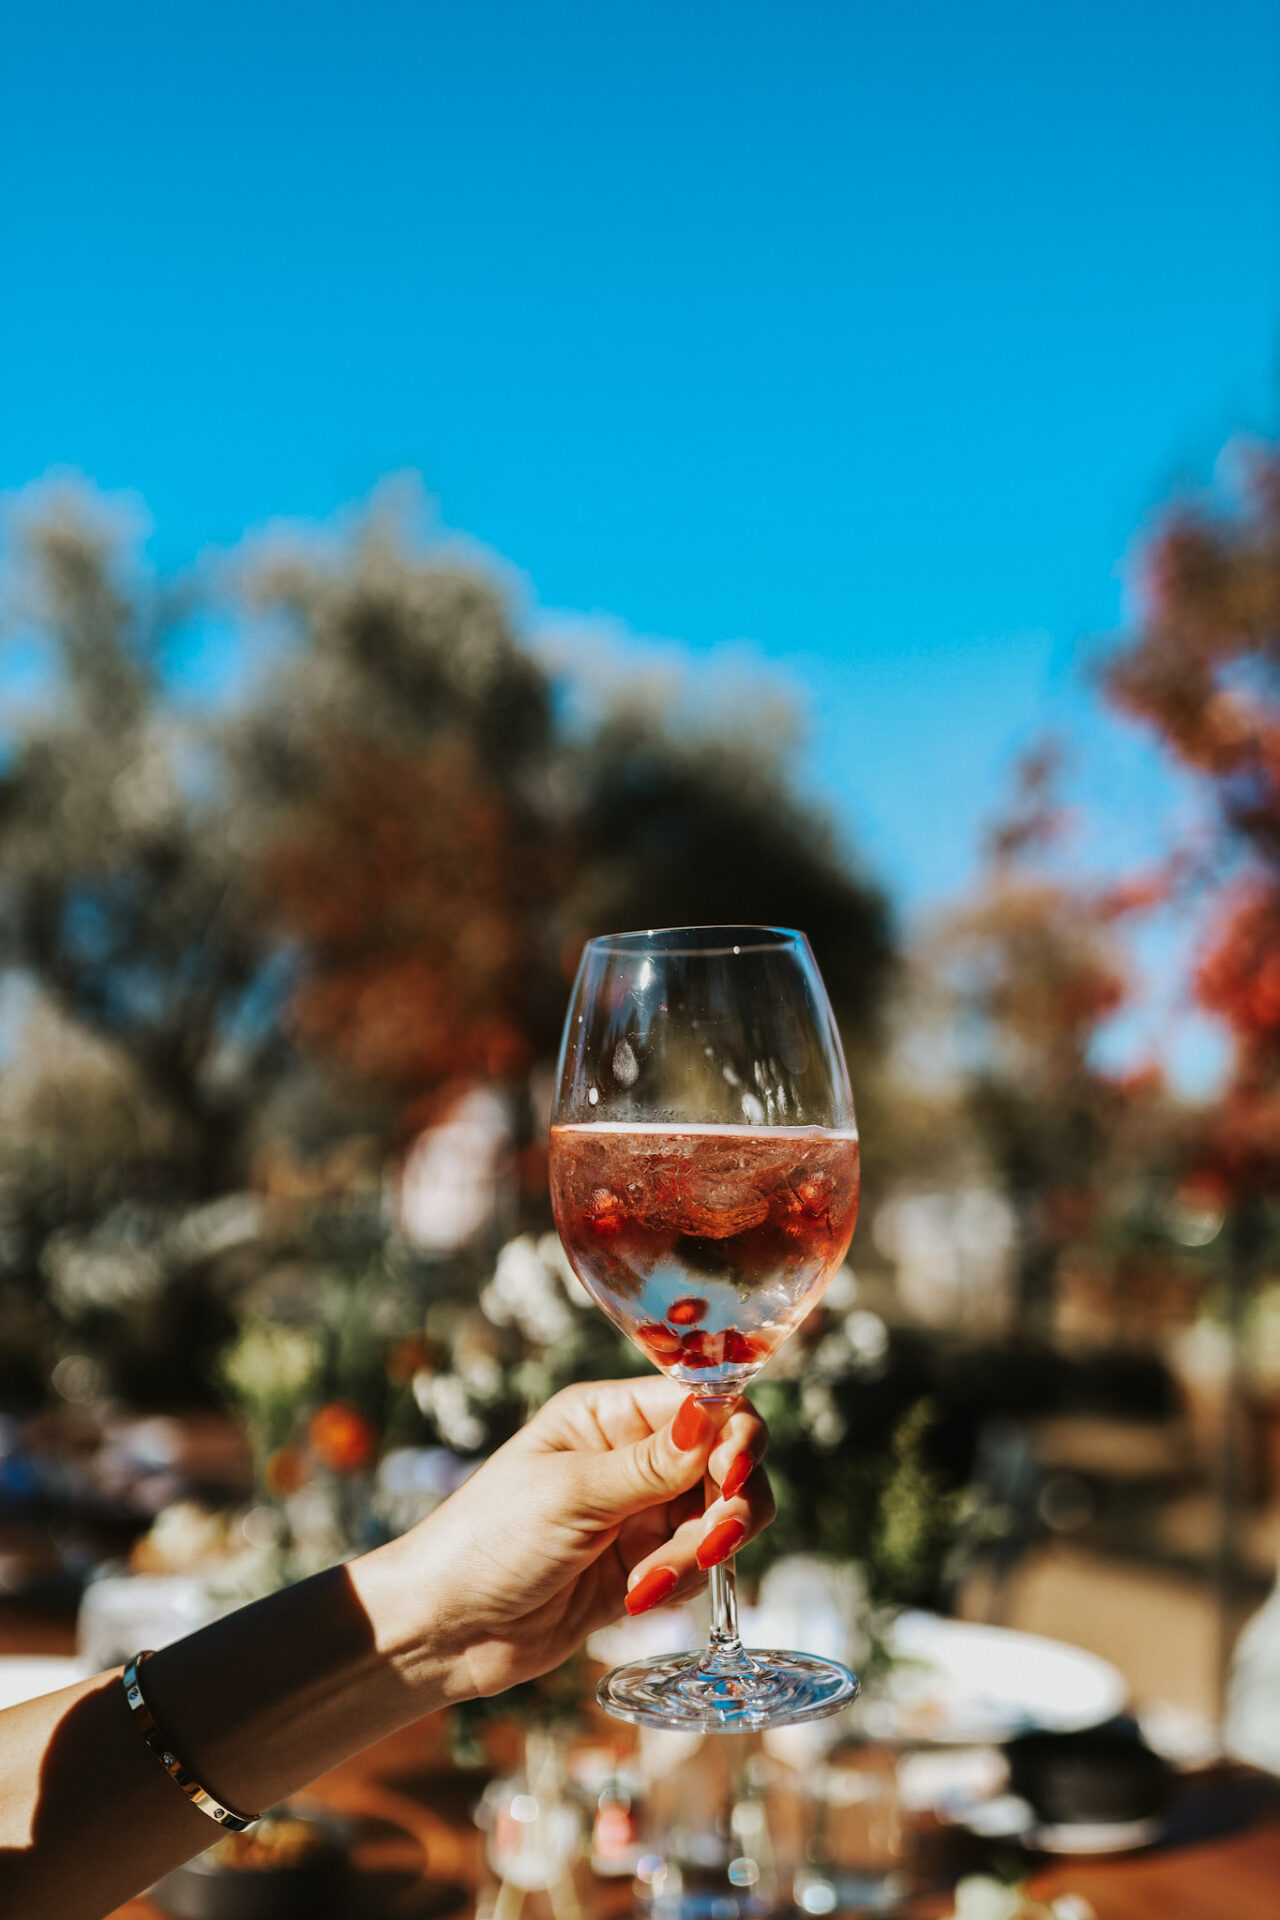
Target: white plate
pixel 1119 1836
pixel 959 1683
pixel 25 1676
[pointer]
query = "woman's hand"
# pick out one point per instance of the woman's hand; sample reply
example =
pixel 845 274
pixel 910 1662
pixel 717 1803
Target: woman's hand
pixel 597 1503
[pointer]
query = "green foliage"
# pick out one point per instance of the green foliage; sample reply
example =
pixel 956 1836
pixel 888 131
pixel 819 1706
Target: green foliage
pixel 917 1515
pixel 270 1370
pixel 876 1500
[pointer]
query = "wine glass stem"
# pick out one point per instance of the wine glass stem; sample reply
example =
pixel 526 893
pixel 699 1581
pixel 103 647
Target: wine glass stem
pixel 722 1589
pixel 722 1585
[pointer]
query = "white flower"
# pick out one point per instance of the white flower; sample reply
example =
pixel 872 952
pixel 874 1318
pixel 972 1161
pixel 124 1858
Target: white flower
pixel 842 1292
pixel 525 1294
pixel 820 1410
pixel 868 1339
pixel 220 1226
pixel 442 1397
pixel 556 1260
pixel 481 1374
pixel 83 1274
pixel 830 1359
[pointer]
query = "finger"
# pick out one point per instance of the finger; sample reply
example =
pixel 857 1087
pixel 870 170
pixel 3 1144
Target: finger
pixel 741 1446
pixel 650 1471
pixel 700 1541
pixel 596 1415
pixel 732 1520
pixel 689 1506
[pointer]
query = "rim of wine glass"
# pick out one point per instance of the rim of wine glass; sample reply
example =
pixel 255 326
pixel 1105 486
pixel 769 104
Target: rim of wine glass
pixel 710 942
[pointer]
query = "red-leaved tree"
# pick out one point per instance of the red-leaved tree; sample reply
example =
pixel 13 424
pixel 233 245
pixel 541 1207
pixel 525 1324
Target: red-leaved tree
pixel 1202 671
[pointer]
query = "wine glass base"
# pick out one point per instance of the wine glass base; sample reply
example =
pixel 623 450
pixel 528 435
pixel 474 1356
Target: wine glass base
pixel 727 1693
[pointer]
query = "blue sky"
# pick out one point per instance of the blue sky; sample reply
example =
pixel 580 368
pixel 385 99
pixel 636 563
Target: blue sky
pixel 864 337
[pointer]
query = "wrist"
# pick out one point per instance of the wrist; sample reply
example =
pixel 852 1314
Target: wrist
pixel 417 1633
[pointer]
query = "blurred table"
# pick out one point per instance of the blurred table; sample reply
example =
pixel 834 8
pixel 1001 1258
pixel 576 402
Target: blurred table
pixel 1222 1857
pixel 1220 1861
pixel 416 1845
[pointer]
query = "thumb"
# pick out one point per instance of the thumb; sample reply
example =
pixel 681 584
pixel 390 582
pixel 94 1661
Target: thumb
pixel 655 1469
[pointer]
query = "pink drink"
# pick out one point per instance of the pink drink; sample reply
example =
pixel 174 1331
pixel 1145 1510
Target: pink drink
pixel 708 1245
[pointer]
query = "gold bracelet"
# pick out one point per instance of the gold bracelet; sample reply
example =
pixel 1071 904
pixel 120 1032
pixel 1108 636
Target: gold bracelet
pixel 198 1796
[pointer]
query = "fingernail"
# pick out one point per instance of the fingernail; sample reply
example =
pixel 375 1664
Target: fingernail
pixel 691 1425
pixel 652 1590
pixel 741 1467
pixel 720 1543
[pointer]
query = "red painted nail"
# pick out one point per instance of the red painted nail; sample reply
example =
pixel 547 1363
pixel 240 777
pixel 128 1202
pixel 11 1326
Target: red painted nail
pixel 691 1425
pixel 741 1468
pixel 720 1543
pixel 652 1590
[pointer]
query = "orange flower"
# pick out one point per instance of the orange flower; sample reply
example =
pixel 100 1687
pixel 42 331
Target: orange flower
pixel 285 1471
pixel 341 1437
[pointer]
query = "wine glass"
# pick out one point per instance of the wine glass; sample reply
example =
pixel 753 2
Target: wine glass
pixel 704 1176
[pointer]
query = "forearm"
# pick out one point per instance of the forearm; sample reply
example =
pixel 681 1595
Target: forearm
pixel 255 1705
pixel 300 1680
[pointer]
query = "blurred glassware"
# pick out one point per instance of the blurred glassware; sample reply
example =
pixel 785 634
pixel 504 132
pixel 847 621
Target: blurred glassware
pixel 615 1829
pixel 709 1850
pixel 858 1854
pixel 532 1862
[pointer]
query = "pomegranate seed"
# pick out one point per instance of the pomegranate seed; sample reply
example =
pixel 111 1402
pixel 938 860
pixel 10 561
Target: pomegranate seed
pixel 687 1312
pixel 660 1341
pixel 702 1349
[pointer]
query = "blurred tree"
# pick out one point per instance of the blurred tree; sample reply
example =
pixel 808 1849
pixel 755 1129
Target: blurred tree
pixel 1202 671
pixel 1035 970
pixel 444 843
pixel 404 760
pixel 366 881
pixel 124 890
pixel 700 828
